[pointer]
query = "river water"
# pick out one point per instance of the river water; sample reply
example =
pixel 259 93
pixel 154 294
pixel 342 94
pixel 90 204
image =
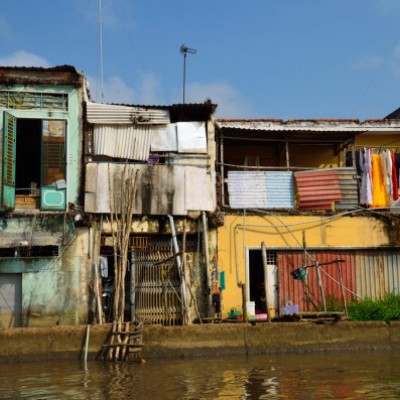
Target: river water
pixel 355 375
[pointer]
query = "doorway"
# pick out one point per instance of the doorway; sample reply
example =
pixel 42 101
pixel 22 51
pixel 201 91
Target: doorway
pixel 257 291
pixel 10 300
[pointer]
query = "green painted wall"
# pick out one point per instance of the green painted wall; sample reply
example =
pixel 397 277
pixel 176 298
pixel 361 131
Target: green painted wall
pixel 55 290
pixel 73 118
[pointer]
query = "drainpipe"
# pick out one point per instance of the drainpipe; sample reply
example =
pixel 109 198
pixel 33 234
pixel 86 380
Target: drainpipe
pixel 181 273
pixel 207 260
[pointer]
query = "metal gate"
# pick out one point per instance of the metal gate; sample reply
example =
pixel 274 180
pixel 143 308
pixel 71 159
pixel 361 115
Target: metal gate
pixel 155 284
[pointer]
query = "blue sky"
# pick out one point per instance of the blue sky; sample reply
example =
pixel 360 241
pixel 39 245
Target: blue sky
pixel 256 59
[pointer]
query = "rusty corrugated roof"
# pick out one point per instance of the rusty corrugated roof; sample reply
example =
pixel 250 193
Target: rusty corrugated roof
pixel 309 125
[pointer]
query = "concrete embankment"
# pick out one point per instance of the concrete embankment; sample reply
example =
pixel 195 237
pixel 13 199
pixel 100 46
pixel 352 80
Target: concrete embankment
pixel 68 342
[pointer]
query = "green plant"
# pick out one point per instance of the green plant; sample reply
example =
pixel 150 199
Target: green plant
pixel 333 304
pixel 386 308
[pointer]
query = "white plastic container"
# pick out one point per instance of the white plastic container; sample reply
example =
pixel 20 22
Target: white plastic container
pixel 251 308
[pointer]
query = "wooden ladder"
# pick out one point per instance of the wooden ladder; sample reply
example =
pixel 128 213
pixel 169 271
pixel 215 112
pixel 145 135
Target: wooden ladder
pixel 126 339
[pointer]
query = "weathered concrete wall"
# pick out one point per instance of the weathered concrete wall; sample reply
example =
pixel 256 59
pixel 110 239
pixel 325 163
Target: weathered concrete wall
pixel 55 289
pixel 203 340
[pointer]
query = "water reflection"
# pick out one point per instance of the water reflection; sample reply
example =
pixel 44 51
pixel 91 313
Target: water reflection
pixel 309 376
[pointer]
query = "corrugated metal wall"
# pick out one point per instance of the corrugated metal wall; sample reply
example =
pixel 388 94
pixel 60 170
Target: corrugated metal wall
pixel 368 273
pixel 261 189
pixel 377 272
pixel 294 290
pixel 122 141
pixel 319 189
pixel 349 187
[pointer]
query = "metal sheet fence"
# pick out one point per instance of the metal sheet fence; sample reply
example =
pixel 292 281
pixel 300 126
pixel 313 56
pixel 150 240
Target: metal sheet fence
pixel 366 273
pixel 296 290
pixel 378 272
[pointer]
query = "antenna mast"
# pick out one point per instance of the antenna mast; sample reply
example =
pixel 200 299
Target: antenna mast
pixel 185 50
pixel 101 51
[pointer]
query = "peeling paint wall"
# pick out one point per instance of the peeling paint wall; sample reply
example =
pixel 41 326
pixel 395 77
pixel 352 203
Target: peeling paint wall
pixel 55 290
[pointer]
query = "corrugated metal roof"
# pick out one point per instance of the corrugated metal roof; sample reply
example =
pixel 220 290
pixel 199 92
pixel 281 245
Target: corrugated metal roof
pixel 122 141
pixel 114 114
pixel 310 125
pixel 260 189
pixel 294 290
pixel 318 189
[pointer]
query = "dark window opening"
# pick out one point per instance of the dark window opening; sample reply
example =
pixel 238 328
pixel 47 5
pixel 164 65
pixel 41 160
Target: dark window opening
pixel 30 251
pixel 28 153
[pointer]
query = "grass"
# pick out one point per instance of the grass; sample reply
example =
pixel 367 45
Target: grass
pixel 386 308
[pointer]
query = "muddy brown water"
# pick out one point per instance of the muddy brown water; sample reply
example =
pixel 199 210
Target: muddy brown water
pixel 354 375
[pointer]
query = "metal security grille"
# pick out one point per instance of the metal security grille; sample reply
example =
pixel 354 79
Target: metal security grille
pixel 34 101
pixel 156 286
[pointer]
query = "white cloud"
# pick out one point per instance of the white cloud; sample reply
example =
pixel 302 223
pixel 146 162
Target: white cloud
pixel 24 59
pixel 115 90
pixel 230 102
pixel 149 90
pixel 366 62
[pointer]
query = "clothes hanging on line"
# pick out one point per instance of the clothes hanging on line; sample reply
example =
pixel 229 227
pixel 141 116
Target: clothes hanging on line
pixel 379 171
pixel 380 196
pixel 366 178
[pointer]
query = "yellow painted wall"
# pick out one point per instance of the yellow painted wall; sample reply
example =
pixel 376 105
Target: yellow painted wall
pixel 379 140
pixel 239 233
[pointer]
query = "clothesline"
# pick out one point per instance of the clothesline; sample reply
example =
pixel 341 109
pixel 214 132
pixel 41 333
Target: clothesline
pixel 385 147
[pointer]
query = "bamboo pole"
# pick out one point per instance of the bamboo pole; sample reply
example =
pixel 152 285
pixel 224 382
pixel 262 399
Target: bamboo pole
pixel 342 288
pixel 321 286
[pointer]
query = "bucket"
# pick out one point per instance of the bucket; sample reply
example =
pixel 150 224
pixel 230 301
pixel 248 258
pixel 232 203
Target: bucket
pixel 251 308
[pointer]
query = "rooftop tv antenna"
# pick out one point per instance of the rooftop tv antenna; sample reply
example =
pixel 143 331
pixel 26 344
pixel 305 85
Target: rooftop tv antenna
pixel 185 50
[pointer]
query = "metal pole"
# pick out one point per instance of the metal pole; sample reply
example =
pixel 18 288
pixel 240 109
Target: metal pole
pixel 266 285
pixel 184 50
pixel 184 76
pixel 222 171
pixel 207 260
pixel 321 287
pixel 179 265
pixel 101 50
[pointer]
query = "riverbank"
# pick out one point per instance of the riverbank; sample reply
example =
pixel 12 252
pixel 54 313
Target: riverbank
pixel 68 342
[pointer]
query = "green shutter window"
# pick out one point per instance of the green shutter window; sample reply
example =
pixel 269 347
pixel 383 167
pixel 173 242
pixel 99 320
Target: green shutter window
pixel 9 149
pixel 53 185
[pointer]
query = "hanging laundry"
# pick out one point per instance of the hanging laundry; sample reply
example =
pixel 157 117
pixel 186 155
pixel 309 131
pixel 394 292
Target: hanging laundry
pixel 397 160
pixel 386 170
pixel 104 267
pixel 395 181
pixel 380 197
pixel 366 179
